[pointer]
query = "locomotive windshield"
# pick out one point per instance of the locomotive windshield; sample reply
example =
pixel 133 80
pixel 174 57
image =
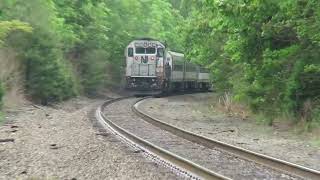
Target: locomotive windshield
pixel 149 50
pixel 140 50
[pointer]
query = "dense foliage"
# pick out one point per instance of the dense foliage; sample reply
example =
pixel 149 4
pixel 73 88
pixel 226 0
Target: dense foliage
pixel 77 45
pixel 266 52
pixel 5 28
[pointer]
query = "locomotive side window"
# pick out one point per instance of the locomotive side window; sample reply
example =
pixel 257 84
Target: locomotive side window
pixel 160 52
pixel 130 52
pixel 204 70
pixel 178 67
pixel 140 50
pixel 191 68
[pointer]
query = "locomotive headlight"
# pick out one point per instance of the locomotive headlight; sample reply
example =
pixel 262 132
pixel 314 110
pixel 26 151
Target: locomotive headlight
pixel 153 80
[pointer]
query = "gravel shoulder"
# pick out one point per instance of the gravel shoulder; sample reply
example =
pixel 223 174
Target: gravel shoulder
pixel 195 113
pixel 63 142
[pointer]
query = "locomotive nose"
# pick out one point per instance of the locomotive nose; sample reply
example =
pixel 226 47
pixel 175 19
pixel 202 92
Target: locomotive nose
pixel 145 59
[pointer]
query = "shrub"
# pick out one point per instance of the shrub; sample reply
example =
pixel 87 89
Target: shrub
pixel 316 114
pixel 268 53
pixel 48 75
pixel 1 96
pixel 93 71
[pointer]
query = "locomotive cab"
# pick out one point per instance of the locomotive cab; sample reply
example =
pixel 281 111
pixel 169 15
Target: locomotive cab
pixel 144 64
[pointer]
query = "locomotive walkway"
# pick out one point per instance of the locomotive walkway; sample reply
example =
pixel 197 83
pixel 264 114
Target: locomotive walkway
pixel 189 154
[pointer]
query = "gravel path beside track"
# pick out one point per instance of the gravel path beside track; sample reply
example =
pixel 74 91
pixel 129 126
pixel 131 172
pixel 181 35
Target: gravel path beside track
pixel 219 161
pixel 61 143
pixel 194 113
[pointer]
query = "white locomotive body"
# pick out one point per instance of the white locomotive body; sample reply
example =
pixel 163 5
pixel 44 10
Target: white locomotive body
pixel 151 67
pixel 144 64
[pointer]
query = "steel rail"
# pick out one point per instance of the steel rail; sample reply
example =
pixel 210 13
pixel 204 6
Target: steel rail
pixel 185 166
pixel 268 161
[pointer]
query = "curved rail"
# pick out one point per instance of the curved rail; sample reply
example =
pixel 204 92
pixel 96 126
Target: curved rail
pixel 185 166
pixel 269 161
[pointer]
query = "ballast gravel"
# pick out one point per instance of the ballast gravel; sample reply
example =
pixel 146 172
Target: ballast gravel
pixel 216 160
pixel 64 142
pixel 197 113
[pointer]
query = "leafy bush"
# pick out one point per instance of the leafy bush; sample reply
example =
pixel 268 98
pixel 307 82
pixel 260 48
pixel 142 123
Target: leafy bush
pixel 316 114
pixel 1 103
pixel 93 71
pixel 265 52
pixel 8 26
pixel 48 75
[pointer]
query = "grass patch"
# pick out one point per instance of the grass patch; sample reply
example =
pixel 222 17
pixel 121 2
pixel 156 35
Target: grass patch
pixel 310 127
pixel 306 122
pixel 228 106
pixel 263 119
pixel 316 142
pixel 1 118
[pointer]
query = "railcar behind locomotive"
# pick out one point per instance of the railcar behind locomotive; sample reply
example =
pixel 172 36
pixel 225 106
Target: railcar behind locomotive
pixel 150 66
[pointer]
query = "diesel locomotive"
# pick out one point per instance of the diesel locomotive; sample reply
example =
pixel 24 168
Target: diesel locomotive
pixel 150 66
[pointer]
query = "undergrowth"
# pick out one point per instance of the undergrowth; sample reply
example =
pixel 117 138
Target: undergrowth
pixel 1 118
pixel 231 107
pixel 1 96
pixel 307 121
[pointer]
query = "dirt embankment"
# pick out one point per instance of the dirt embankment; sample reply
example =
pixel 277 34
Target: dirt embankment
pixel 12 78
pixel 60 142
pixel 196 113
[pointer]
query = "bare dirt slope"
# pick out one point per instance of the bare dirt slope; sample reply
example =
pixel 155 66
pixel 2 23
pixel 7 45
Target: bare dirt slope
pixel 60 142
pixel 195 113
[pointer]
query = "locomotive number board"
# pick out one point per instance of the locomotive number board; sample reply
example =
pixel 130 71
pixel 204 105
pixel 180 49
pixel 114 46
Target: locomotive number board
pixel 145 44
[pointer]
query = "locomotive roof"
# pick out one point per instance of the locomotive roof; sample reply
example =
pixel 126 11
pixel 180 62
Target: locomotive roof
pixel 146 39
pixel 176 54
pixel 142 40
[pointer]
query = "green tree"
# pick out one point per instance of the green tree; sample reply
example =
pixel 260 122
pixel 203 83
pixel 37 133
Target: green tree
pixel 7 27
pixel 48 75
pixel 259 50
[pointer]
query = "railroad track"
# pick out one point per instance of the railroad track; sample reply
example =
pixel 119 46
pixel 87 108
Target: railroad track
pixel 192 155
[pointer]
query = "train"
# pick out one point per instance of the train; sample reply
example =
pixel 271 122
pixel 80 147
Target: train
pixel 151 66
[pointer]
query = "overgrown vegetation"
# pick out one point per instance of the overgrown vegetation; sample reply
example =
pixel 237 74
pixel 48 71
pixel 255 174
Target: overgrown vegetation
pixel 1 94
pixel 5 28
pixel 77 46
pixel 264 52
